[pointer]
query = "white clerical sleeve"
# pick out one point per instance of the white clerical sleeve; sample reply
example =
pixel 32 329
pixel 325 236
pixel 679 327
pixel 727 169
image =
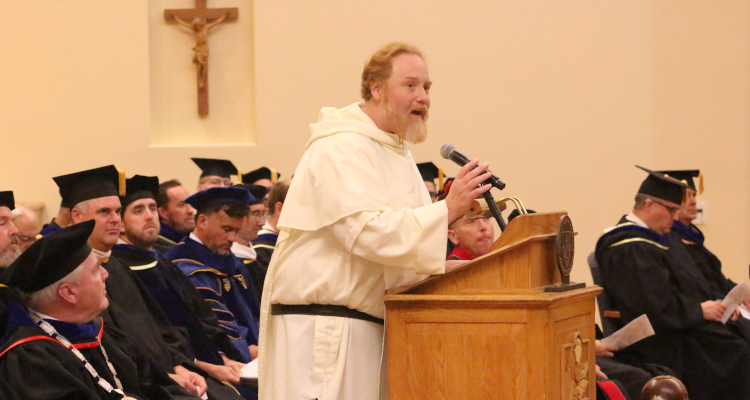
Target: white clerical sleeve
pixel 413 239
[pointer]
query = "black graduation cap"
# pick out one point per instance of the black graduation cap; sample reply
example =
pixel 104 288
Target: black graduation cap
pixel 686 176
pixel 212 167
pixel 90 184
pixel 261 173
pixel 662 186
pixel 257 191
pixel 139 187
pixel 430 172
pixel 50 258
pixel 220 196
pixel 7 200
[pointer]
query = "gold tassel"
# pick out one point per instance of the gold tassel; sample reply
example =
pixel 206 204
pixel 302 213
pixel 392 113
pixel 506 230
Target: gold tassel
pixel 274 175
pixel 239 176
pixel 700 183
pixel 122 185
pixel 441 182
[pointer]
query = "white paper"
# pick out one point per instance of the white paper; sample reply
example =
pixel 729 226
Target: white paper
pixel 250 370
pixel 205 396
pixel 744 312
pixel 638 329
pixel 738 295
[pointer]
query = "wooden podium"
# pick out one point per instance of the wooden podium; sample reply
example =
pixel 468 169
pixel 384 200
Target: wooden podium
pixel 488 330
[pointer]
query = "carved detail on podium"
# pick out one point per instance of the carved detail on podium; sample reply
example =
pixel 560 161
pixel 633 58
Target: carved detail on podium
pixel 574 369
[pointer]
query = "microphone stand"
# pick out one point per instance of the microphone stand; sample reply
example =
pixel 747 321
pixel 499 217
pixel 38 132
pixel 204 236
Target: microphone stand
pixel 494 209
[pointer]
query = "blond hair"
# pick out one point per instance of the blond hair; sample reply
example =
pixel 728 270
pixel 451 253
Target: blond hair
pixel 380 66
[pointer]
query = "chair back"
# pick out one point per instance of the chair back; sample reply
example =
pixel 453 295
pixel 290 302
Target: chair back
pixel 610 317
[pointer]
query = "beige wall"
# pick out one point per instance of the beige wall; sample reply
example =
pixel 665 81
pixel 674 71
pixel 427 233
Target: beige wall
pixel 562 98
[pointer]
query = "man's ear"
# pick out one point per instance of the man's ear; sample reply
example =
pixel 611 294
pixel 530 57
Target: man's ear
pixel 376 88
pixel 277 208
pixel 163 213
pixel 75 215
pixel 68 292
pixel 201 222
pixel 453 237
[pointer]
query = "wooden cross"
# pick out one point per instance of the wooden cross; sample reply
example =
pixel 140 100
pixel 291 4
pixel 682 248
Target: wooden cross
pixel 200 20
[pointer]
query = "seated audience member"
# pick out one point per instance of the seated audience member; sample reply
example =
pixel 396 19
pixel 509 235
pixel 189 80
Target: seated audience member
pixel 176 218
pixel 242 247
pixel 265 243
pixel 192 318
pixel 631 378
pixel 27 224
pixel 262 176
pixel 94 195
pixel 62 220
pixel 9 250
pixel 215 173
pixel 687 235
pixel 471 236
pixel 206 258
pixel 53 346
pixel 430 172
pixel 641 277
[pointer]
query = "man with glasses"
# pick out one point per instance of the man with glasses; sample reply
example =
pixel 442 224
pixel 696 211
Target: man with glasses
pixel 27 224
pixel 641 276
pixel 242 247
pixel 215 173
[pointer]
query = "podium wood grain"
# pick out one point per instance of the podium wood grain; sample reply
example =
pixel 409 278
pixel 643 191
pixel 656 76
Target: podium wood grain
pixel 489 331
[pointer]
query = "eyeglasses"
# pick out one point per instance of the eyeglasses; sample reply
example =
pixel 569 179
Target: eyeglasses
pixel 258 215
pixel 670 209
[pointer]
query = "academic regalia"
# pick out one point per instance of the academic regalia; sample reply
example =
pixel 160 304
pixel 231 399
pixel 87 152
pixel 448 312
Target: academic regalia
pixel 707 262
pixel 35 366
pixel 261 173
pixel 459 254
pixel 642 277
pixel 264 245
pixel 247 256
pixel 168 238
pixel 181 303
pixel 49 228
pixel 225 285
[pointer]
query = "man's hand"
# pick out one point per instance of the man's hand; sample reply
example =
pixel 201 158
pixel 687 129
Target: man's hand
pixel 235 365
pixel 253 351
pixel 191 381
pixel 712 310
pixel 464 189
pixel 453 264
pixel 220 372
pixel 606 350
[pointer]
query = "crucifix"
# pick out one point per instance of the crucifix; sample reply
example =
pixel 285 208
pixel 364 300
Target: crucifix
pixel 199 21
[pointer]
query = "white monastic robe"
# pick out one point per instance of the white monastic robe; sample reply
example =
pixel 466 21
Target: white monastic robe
pixel 357 221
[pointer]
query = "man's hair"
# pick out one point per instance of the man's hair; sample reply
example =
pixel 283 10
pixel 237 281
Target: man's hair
pixel 42 298
pixel 82 207
pixel 232 210
pixel 640 201
pixel 277 194
pixel 380 66
pixel 162 198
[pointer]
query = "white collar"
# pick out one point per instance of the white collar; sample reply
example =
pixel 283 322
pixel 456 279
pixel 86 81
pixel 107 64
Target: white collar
pixel 242 251
pixel 102 254
pixel 633 218
pixel 42 316
pixel 192 236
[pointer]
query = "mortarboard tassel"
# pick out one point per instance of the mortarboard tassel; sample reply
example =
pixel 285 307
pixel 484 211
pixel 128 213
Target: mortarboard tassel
pixel 121 187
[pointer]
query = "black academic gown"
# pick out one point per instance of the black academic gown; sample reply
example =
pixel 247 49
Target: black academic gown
pixel 133 310
pixel 35 366
pixel 642 277
pixel 181 302
pixel 709 265
pixel 168 238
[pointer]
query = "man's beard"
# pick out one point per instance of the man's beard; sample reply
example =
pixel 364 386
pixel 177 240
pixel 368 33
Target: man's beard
pixel 9 255
pixel 142 240
pixel 407 128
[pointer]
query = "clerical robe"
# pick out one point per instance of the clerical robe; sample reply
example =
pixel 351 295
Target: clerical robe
pixel 223 282
pixel 357 221
pixel 641 277
pixel 35 366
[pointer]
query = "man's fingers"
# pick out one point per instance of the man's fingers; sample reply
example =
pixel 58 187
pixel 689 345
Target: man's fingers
pixel 466 168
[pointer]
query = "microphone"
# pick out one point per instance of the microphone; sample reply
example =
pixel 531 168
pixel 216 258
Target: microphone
pixel 449 152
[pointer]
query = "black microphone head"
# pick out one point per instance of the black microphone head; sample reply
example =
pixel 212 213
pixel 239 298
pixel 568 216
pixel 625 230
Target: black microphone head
pixel 446 150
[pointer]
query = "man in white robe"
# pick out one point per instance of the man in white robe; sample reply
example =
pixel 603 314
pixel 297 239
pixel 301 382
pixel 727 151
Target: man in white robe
pixel 357 221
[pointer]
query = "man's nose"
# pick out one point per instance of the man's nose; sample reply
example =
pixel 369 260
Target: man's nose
pixel 12 230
